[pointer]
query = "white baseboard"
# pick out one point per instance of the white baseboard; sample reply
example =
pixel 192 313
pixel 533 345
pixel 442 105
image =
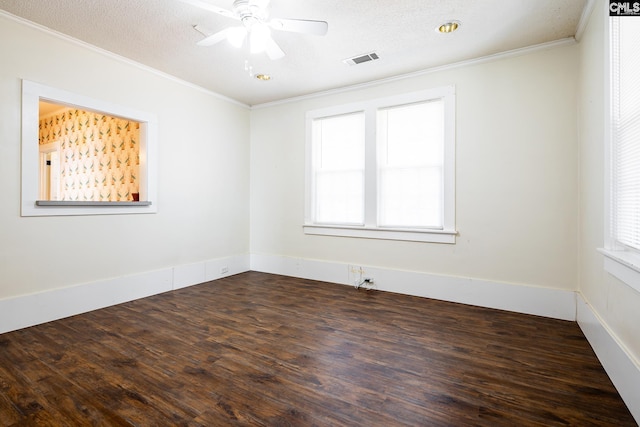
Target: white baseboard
pixel 29 310
pixel 617 362
pixel 547 302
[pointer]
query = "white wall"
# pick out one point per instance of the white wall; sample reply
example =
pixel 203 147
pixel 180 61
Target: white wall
pixel 616 304
pixel 516 177
pixel 529 209
pixel 203 200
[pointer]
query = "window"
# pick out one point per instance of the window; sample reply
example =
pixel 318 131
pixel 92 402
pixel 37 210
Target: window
pixel 338 165
pixel 410 165
pixel 383 168
pixel 623 243
pixel 82 156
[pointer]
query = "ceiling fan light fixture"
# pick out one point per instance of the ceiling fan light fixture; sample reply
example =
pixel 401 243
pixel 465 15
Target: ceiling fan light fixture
pixel 236 36
pixel 258 38
pixel 256 26
pixel 449 27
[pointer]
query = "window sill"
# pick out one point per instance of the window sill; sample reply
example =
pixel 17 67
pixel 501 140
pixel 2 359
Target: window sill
pixel 624 265
pixel 411 235
pixel 70 207
pixel 88 203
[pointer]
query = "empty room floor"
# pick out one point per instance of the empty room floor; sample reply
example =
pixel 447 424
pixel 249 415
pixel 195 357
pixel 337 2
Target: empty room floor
pixel 262 349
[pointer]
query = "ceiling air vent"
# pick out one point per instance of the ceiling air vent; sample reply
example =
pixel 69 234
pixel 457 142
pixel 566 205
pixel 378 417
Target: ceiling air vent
pixel 361 58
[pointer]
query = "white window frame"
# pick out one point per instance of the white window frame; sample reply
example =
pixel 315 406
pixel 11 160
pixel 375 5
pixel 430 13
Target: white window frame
pixel 32 93
pixel 370 229
pixel 619 261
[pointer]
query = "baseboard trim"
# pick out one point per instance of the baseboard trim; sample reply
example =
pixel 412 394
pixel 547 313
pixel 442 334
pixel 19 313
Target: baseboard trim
pixel 33 309
pixel 622 369
pixel 547 302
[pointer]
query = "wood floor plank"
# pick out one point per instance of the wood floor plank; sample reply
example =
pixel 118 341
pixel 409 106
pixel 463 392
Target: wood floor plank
pixel 261 349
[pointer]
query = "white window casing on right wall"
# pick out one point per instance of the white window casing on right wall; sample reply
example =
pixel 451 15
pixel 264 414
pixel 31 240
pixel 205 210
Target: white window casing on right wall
pixel 622 152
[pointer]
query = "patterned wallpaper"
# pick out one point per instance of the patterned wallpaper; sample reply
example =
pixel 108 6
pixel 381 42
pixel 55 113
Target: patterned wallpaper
pixel 99 154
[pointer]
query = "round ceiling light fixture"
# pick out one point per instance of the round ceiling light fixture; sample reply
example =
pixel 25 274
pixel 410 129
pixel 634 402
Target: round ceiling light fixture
pixel 263 77
pixel 448 27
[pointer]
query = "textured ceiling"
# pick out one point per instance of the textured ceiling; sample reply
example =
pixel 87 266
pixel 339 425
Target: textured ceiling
pixel 160 34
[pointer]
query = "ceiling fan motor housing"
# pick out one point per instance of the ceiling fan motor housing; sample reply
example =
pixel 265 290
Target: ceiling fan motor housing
pixel 250 12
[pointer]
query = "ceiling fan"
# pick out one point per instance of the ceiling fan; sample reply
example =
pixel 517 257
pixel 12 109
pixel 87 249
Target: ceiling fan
pixel 256 26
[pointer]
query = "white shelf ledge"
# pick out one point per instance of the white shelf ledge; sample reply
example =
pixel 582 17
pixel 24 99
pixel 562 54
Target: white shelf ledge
pixel 88 203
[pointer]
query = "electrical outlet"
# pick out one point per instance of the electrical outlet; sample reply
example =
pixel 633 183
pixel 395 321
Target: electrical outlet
pixel 355 274
pixel 224 270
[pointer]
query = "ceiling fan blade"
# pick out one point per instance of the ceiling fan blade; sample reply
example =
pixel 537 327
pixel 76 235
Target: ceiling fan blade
pixel 211 8
pixel 318 28
pixel 214 38
pixel 273 50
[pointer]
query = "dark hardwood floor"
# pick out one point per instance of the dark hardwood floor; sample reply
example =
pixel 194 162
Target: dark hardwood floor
pixel 259 349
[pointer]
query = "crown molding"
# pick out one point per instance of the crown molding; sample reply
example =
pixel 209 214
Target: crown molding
pixel 469 62
pixel 117 57
pixel 584 18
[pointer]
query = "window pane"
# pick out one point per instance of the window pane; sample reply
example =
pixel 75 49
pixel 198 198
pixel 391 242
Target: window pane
pixel 414 134
pixel 341 142
pixel 410 165
pixel 340 197
pixel 413 197
pixel 338 163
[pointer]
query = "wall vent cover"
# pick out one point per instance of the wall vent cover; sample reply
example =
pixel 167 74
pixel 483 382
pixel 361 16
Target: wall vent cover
pixel 360 59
